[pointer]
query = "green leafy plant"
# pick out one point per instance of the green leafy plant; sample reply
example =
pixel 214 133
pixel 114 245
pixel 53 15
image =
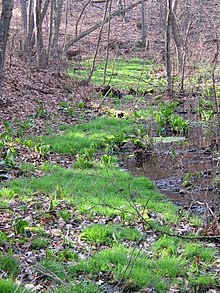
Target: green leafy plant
pixel 187 180
pixel 163 115
pixel 178 125
pixel 63 104
pixel 69 111
pixel 108 160
pixel 167 120
pixel 20 226
pixel 205 109
pixel 81 104
pixel 11 155
pixel 43 150
pixel 41 111
pixel 85 160
pixel 67 255
pixel 65 215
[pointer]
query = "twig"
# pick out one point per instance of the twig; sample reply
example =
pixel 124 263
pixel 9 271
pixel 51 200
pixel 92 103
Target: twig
pixel 132 204
pixel 98 41
pixel 215 61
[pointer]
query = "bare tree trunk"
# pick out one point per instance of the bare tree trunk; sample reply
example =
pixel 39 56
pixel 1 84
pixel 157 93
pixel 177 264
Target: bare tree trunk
pixel 143 24
pixel 168 47
pixel 107 50
pixel 184 57
pixel 39 15
pixel 57 21
pixel 177 38
pixel 7 7
pixel 50 29
pixel 99 39
pixel 30 37
pixel 24 15
pixel 214 88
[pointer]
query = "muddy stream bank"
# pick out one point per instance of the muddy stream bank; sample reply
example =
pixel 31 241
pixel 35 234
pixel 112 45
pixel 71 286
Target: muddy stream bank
pixel 184 171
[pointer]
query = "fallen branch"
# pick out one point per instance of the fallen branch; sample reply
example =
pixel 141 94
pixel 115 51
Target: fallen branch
pixel 99 24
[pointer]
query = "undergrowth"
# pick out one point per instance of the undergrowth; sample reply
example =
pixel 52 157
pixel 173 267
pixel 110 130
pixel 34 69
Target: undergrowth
pixel 93 226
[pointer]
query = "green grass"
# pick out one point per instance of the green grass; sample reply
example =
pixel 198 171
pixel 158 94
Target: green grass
pixel 83 287
pixel 8 286
pixel 137 74
pixel 144 272
pixel 141 271
pixel 106 234
pixel 39 243
pixel 173 246
pixel 194 250
pixel 76 139
pixel 56 268
pixel 97 190
pixel 9 265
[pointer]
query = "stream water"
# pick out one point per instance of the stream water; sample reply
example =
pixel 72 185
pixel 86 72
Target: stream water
pixel 198 159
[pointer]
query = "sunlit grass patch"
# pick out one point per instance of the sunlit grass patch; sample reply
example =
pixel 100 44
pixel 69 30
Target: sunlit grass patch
pixel 144 272
pixel 8 286
pixel 107 234
pixel 9 265
pixel 138 74
pixel 200 252
pixel 75 139
pixel 106 191
pixel 100 190
pixel 135 268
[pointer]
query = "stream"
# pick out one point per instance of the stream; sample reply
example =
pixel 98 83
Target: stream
pixel 184 171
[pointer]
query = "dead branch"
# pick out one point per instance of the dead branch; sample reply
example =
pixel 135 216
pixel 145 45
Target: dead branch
pixel 99 24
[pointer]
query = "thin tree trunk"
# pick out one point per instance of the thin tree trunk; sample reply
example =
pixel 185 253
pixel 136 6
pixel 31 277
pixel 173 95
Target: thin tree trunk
pixel 24 15
pixel 168 47
pixel 30 37
pixel 39 17
pixel 81 14
pixel 99 39
pixel 143 24
pixel 50 29
pixel 7 7
pixel 57 21
pixel 177 38
pixel 108 38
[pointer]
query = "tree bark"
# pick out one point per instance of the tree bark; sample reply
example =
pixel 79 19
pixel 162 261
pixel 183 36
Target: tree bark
pixel 24 15
pixel 143 24
pixel 39 15
pixel 7 7
pixel 57 21
pixel 168 47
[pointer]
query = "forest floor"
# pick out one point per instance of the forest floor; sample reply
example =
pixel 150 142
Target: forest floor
pixel 78 213
pixel 110 189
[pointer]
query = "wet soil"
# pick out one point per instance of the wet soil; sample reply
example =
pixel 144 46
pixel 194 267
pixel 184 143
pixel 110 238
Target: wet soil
pixel 184 171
